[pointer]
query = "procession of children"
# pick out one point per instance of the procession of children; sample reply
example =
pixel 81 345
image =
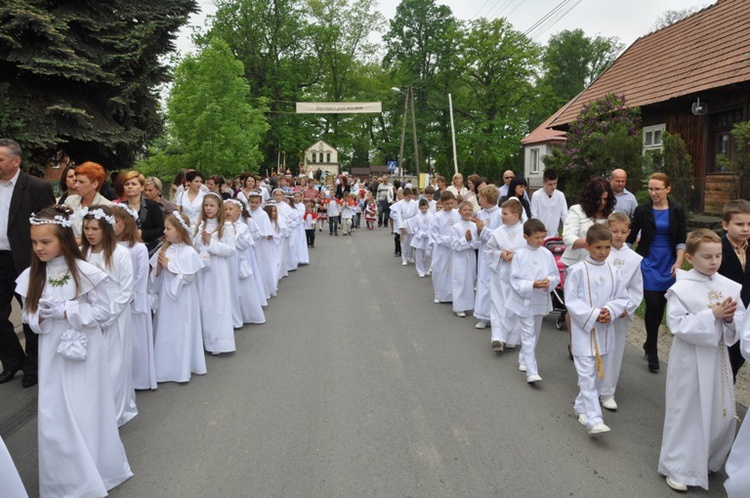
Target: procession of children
pixel 495 264
pixel 106 310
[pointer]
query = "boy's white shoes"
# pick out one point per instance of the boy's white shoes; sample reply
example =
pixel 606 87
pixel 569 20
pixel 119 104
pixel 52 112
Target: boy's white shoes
pixel 599 428
pixel 677 486
pixel 497 346
pixel 609 404
pixel 461 314
pixel 480 325
pixel 532 379
pixel 521 367
pixel 403 262
pixel 582 419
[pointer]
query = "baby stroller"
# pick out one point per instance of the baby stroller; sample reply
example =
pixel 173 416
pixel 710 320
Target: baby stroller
pixel 556 247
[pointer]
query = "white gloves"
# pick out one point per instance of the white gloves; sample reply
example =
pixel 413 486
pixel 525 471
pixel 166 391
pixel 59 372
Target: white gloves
pixel 51 308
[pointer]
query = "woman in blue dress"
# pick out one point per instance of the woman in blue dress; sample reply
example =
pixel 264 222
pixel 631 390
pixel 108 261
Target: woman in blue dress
pixel 662 225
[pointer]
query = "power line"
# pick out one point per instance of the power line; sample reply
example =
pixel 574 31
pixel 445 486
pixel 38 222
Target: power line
pixel 551 22
pixel 545 17
pixel 482 8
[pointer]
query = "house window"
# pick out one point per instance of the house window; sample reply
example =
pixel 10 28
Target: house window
pixel 652 137
pixel 328 157
pixel 534 160
pixel 312 157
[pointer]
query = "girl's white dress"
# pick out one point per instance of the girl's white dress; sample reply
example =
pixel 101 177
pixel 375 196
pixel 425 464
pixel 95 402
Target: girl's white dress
pixel 265 250
pixel 12 484
pixel 144 370
pixel 289 219
pixel 257 276
pixel 178 337
pixel 250 302
pixel 215 288
pixel 738 463
pixel 80 451
pixel 118 330
pixel 303 256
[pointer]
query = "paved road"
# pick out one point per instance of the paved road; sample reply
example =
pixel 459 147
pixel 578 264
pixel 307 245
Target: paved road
pixel 359 385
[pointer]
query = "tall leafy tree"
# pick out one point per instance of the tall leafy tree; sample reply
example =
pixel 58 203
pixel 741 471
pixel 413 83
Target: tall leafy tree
pixel 272 39
pixel 570 63
pixel 81 75
pixel 497 66
pixel 212 124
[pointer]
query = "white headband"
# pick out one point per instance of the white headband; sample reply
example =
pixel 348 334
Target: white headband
pixel 99 214
pixel 221 199
pixel 235 201
pixel 57 220
pixel 177 215
pixel 129 210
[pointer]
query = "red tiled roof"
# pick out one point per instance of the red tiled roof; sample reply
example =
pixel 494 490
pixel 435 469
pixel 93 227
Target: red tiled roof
pixel 544 134
pixel 707 50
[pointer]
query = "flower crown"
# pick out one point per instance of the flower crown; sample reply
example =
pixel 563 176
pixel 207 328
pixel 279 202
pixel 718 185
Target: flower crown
pixel 98 214
pixel 177 215
pixel 57 220
pixel 235 201
pixel 129 210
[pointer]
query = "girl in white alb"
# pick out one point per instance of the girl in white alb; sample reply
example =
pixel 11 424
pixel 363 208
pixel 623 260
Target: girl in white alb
pixel 64 301
pixel 265 248
pixel 291 220
pixel 126 231
pixel 279 235
pixel 99 247
pixel 248 294
pixel 178 351
pixel 304 254
pixel 213 238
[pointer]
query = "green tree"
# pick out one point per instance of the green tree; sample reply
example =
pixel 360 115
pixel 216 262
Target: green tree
pixel 678 165
pixel 212 124
pixel 81 75
pixel 273 40
pixel 570 63
pixel 497 64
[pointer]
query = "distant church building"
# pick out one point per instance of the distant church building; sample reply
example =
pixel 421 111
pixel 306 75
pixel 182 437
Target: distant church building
pixel 322 156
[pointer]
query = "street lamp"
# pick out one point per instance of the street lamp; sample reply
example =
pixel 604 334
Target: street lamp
pixel 409 94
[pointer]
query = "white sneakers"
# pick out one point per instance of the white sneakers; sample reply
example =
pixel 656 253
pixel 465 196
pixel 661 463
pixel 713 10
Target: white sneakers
pixel 532 379
pixel 609 404
pixel 461 314
pixel 480 325
pixel 582 419
pixel 403 263
pixel 521 367
pixel 599 428
pixel 677 486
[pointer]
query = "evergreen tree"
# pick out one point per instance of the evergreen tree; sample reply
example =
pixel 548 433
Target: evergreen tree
pixel 82 75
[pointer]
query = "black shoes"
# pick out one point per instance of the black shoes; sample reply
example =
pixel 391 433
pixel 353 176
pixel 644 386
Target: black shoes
pixel 653 363
pixel 29 380
pixel 7 375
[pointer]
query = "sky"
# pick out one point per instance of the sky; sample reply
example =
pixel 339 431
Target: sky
pixel 626 20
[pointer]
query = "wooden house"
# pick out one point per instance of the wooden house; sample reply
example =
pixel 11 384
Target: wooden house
pixel 691 78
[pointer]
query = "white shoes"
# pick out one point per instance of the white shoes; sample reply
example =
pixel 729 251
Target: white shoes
pixel 497 346
pixel 609 404
pixel 677 486
pixel 461 314
pixel 511 346
pixel 404 263
pixel 521 367
pixel 480 325
pixel 599 428
pixel 422 276
pixel 531 379
pixel 582 419
pixel 437 301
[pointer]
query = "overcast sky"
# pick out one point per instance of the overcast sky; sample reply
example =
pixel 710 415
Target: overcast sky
pixel 626 20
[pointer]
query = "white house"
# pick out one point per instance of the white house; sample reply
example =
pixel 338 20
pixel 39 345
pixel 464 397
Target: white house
pixel 536 145
pixel 322 156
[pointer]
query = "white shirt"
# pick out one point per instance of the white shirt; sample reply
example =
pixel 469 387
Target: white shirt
pixel 6 194
pixel 549 209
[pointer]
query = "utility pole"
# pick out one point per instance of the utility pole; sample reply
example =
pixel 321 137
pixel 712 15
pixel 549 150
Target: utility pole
pixel 414 132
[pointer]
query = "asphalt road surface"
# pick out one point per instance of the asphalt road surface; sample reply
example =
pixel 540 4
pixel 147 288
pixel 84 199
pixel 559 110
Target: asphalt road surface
pixel 359 385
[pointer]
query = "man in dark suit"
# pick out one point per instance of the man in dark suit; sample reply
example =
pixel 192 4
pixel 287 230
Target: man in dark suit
pixel 20 195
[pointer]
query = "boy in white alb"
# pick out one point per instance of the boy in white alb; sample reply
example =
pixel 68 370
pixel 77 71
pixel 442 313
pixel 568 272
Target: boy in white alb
pixel 464 241
pixel 594 295
pixel 548 204
pixel 703 312
pixel 628 262
pixel 504 242
pixel 487 220
pixel 421 241
pixel 429 194
pixel 533 274
pixel 440 232
pixel 408 210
